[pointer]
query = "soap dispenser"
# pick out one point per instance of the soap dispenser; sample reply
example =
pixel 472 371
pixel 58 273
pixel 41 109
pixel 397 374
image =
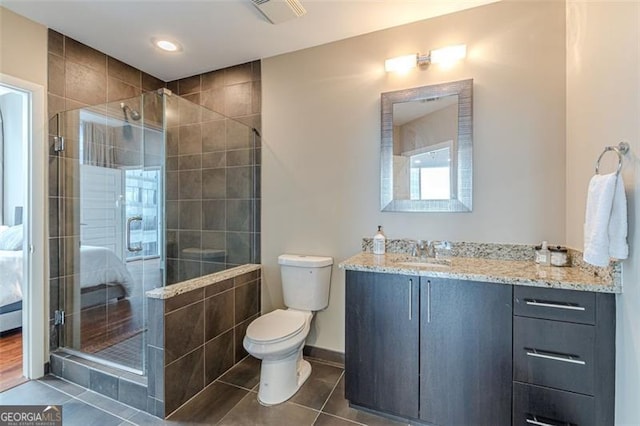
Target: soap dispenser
pixel 379 241
pixel 543 255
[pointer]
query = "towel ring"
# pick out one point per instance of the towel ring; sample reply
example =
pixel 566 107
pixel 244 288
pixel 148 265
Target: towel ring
pixel 620 150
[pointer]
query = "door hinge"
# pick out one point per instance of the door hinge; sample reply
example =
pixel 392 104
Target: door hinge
pixel 58 143
pixel 58 317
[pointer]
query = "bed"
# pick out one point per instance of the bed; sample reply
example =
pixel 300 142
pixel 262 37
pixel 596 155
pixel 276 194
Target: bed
pixel 103 276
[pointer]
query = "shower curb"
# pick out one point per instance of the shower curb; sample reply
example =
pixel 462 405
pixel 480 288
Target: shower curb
pixel 122 386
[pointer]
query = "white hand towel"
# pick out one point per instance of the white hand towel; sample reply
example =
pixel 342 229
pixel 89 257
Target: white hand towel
pixel 618 247
pixel 605 234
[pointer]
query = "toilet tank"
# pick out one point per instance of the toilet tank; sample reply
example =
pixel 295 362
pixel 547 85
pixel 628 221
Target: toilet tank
pixel 305 281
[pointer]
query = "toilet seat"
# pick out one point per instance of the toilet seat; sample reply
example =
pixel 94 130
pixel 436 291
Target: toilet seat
pixel 276 326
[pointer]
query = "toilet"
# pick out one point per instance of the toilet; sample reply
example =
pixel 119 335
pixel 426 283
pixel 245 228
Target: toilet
pixel 278 337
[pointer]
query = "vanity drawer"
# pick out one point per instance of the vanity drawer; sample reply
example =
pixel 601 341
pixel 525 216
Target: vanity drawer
pixel 560 305
pixel 539 406
pixel 557 354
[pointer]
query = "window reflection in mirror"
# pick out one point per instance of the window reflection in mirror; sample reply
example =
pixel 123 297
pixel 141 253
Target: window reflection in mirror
pixel 426 156
pixel 430 174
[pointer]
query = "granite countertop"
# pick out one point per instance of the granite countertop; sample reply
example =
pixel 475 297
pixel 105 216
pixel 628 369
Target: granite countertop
pixel 195 283
pixel 515 272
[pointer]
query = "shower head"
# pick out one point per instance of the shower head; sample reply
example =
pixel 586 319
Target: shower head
pixel 135 115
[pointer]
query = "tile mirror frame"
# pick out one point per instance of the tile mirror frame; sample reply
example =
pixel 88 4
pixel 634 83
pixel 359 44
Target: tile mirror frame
pixel 462 196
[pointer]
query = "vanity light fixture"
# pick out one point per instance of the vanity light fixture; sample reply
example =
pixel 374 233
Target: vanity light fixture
pixel 444 56
pixel 166 45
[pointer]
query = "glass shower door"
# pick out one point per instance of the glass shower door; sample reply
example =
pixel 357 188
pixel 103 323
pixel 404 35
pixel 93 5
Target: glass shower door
pixel 107 205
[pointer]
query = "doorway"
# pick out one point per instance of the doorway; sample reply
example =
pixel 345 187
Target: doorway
pixel 22 241
pixel 14 109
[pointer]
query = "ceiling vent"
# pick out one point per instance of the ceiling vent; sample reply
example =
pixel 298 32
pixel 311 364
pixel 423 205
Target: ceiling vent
pixel 278 11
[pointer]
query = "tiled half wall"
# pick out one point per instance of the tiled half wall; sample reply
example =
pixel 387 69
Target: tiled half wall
pixel 196 336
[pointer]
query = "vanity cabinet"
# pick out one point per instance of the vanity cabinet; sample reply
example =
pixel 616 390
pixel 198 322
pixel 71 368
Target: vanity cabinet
pixel 382 335
pixel 465 352
pixel 434 350
pixel 563 357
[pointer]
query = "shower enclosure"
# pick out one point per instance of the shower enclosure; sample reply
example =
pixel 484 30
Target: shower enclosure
pixel 144 192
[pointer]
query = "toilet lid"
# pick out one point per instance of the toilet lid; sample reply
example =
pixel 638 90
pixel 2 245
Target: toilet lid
pixel 276 325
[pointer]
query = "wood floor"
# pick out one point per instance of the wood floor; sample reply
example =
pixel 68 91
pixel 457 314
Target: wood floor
pixel 103 326
pixel 11 360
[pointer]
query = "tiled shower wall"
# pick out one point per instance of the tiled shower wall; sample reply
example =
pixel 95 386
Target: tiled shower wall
pixel 213 173
pixel 78 76
pixel 213 163
pixel 211 160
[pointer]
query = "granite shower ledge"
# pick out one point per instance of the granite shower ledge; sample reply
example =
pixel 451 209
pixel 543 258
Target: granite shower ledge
pixel 195 283
pixel 514 272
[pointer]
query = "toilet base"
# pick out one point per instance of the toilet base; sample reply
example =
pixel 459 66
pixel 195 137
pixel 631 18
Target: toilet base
pixel 303 372
pixel 281 379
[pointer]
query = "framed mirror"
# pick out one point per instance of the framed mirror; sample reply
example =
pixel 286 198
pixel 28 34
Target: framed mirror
pixel 426 157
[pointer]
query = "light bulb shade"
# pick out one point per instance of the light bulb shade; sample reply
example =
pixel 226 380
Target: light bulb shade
pixel 449 54
pixel 401 63
pixel 166 45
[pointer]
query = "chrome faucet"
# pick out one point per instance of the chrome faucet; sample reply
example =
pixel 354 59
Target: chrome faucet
pixel 424 248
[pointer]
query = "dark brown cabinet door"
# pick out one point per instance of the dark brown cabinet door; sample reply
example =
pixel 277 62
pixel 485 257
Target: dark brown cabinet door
pixel 465 352
pixel 381 336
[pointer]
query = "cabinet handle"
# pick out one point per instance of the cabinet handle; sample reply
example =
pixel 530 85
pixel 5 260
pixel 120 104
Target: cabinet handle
pixel 546 355
pixel 555 305
pixel 410 297
pixel 428 301
pixel 535 421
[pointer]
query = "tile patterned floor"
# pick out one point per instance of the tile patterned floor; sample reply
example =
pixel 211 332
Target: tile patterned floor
pixel 127 352
pixel 232 400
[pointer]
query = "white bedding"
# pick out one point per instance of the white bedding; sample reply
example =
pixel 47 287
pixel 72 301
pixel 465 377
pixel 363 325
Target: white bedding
pixel 10 276
pixel 98 265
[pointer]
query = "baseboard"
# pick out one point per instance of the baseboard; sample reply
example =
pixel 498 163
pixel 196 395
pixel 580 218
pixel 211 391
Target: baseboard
pixel 324 355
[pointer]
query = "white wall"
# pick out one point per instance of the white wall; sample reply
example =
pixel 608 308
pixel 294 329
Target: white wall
pixel 603 108
pixel 431 129
pixel 23 48
pixel 321 140
pixel 15 139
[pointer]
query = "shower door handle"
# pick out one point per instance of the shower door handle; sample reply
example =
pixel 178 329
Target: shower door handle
pixel 129 222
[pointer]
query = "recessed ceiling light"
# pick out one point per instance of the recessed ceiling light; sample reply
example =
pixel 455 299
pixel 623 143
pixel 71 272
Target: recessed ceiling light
pixel 166 45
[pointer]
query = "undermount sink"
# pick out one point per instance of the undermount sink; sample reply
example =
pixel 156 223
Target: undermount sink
pixel 435 263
